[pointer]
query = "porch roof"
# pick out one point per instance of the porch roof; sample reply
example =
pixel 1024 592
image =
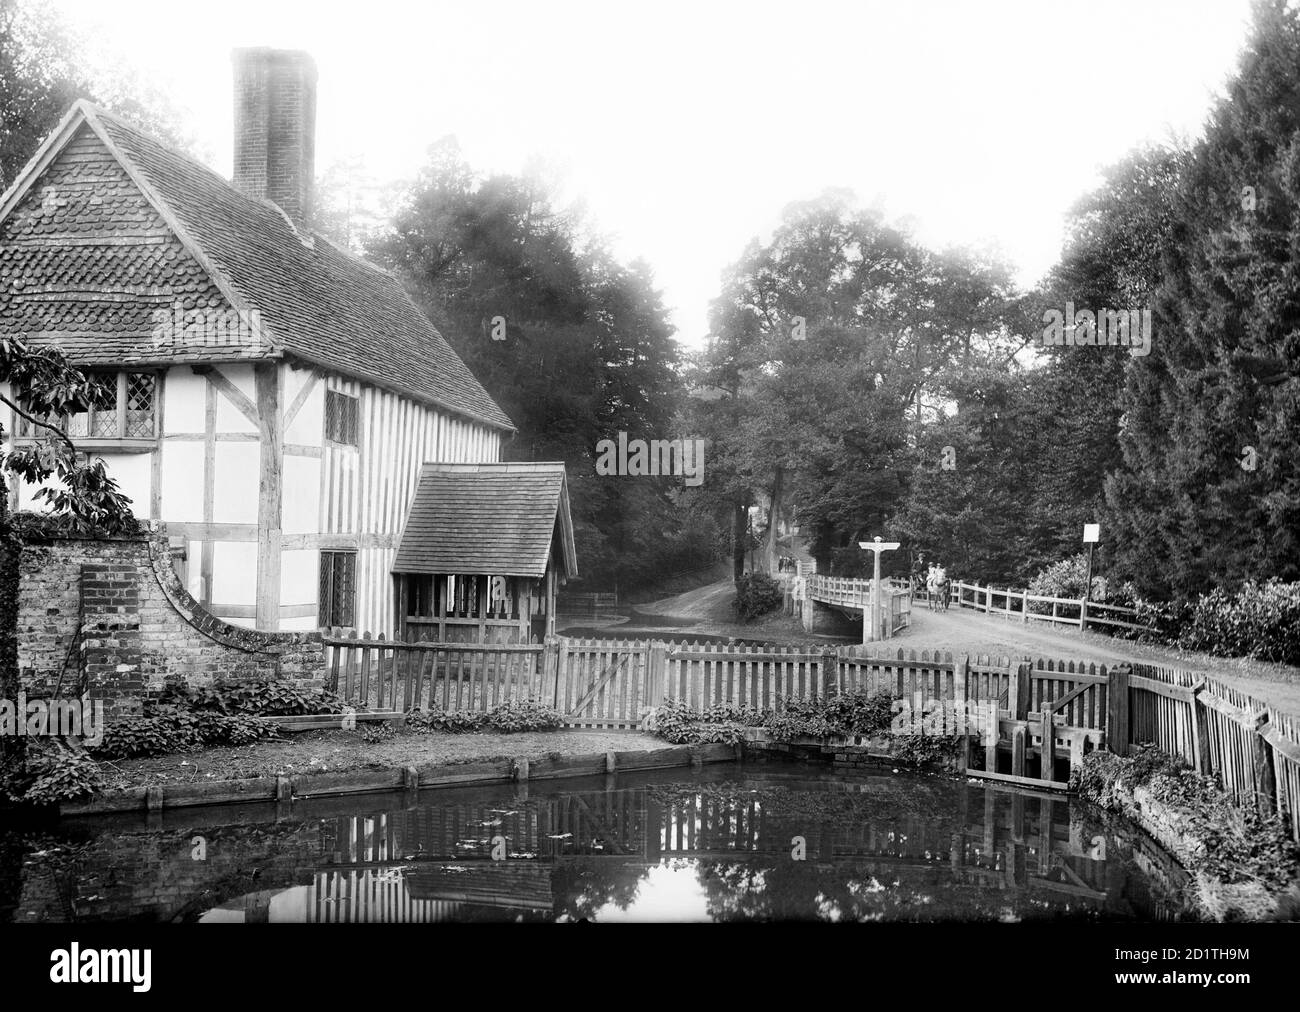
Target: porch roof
pixel 498 519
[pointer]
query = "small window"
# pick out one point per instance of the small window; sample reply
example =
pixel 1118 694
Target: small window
pixel 342 415
pixel 122 406
pixel 338 588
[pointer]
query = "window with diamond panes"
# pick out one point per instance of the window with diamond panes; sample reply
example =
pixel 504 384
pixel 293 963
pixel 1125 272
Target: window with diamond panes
pixel 139 394
pixel 122 406
pixel 342 414
pixel 100 422
pixel 338 590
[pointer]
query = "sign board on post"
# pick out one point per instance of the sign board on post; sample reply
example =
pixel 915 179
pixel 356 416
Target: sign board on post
pixel 871 622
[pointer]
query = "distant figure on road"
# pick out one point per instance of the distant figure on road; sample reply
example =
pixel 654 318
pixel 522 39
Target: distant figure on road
pixel 936 588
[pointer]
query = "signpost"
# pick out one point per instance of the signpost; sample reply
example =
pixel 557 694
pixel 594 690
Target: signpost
pixel 1091 535
pixel 871 616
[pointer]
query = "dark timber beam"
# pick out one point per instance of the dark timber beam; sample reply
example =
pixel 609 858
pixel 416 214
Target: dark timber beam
pixel 270 498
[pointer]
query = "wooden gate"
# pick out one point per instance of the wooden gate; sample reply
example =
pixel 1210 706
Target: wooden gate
pixel 602 683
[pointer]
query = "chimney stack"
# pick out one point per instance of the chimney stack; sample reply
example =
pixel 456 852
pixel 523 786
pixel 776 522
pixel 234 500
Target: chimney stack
pixel 275 128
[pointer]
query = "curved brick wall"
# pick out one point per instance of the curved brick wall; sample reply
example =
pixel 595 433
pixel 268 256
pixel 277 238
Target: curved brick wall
pixel 115 612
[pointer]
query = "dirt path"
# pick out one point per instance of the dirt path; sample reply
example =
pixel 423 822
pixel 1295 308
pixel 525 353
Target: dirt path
pixel 966 631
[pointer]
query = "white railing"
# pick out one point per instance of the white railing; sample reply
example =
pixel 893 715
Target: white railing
pixel 1019 604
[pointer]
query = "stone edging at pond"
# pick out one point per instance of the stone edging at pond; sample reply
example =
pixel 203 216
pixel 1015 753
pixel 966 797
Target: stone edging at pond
pixel 1185 832
pixel 283 789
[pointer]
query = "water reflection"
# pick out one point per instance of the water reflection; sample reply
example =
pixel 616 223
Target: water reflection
pixel 762 842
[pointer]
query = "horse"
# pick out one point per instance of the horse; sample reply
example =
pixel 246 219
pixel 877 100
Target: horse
pixel 937 590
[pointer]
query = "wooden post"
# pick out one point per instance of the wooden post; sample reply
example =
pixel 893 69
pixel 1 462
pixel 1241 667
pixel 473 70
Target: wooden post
pixel 266 380
pixel 1020 691
pixel 1047 748
pixel 1201 733
pixel 988 599
pixel 656 666
pixel 1265 777
pixel 960 708
pixel 550 669
pixel 1024 606
pixel 1117 708
pixel 1018 750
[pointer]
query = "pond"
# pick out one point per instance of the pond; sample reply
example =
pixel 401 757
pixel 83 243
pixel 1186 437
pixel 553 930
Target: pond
pixel 737 842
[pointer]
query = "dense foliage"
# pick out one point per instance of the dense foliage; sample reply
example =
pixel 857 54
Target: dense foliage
pixel 1239 843
pixel 510 717
pixel 1259 620
pixel 757 594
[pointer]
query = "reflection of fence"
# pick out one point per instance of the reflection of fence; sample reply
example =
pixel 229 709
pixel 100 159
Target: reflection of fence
pixel 435 861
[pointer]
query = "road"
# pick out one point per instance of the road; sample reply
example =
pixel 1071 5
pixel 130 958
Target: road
pixel 967 631
pixel 963 630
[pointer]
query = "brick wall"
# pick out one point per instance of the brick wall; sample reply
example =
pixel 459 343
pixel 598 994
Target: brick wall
pixel 113 617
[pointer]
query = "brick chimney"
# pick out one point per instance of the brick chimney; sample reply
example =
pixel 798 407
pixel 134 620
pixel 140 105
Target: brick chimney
pixel 275 128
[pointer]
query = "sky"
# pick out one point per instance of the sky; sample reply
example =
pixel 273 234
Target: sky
pixel 684 129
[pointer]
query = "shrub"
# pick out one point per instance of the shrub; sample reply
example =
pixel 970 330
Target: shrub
pixel 51 772
pixel 262 698
pixel 523 715
pixel 756 595
pixel 168 728
pixel 1260 620
pixel 1065 579
pixel 850 713
pixel 680 724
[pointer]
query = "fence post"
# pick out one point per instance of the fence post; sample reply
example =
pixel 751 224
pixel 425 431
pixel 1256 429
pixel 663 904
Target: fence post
pixel 960 709
pixel 1117 708
pixel 1018 691
pixel 1083 613
pixel 658 664
pixel 550 669
pixel 1265 777
pixel 988 599
pixel 1201 733
pixel 1024 607
pixel 830 675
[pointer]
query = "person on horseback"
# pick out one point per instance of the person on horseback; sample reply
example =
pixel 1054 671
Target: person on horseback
pixel 941 585
pixel 936 588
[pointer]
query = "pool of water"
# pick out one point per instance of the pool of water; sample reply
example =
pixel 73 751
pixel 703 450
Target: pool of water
pixel 758 841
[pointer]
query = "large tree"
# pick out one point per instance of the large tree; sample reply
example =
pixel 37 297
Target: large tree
pixel 1209 491
pixel 829 344
pixel 573 344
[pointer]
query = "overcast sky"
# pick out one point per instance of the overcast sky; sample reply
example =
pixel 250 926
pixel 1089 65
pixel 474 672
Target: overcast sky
pixel 686 127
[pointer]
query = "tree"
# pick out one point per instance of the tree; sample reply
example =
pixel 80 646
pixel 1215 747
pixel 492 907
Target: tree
pixel 1209 491
pixel 44 69
pixel 827 342
pixel 574 345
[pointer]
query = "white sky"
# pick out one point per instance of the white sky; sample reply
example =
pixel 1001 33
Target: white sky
pixel 685 127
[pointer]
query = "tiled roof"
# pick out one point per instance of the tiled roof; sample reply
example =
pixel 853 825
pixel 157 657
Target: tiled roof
pixel 487 518
pixel 317 302
pixel 86 260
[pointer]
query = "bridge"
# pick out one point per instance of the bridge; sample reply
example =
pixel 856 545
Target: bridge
pixel 815 595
